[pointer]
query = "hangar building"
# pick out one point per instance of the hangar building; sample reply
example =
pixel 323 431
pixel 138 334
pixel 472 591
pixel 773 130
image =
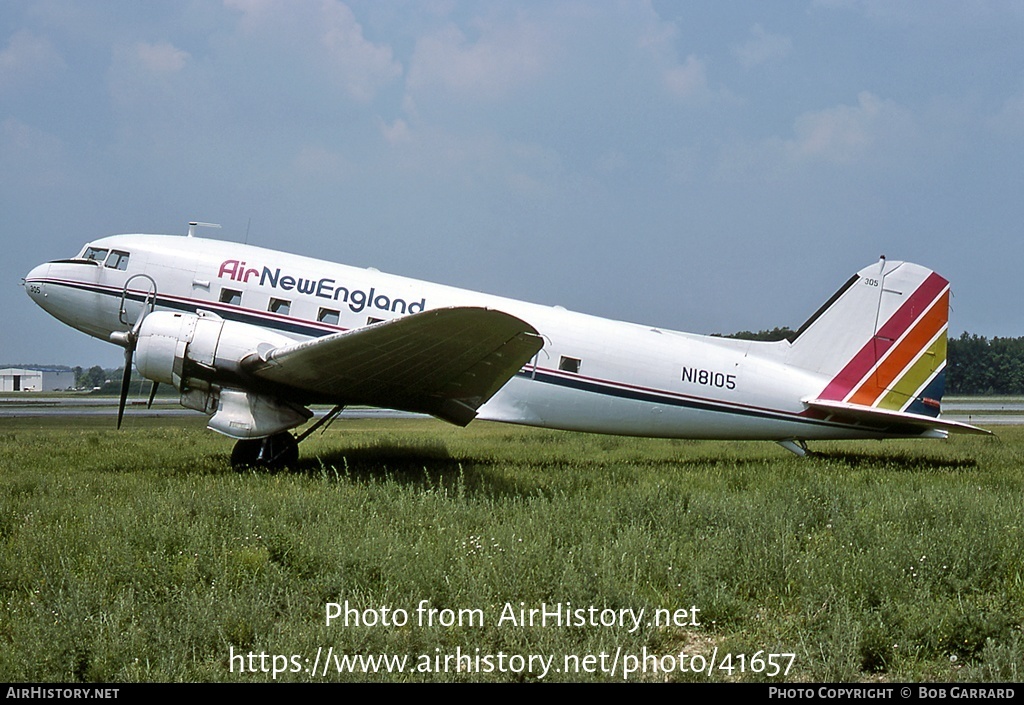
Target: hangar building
pixel 13 379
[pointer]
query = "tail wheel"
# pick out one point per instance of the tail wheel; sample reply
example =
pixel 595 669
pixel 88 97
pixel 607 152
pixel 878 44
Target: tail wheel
pixel 272 453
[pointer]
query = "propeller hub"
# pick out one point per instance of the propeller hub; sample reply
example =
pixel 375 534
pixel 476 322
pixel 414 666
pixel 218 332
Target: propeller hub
pixel 124 338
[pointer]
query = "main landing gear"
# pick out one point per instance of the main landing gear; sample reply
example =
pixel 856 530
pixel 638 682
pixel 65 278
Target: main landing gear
pixel 278 451
pixel 272 453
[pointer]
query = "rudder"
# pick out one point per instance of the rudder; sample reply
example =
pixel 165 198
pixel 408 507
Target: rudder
pixel 881 340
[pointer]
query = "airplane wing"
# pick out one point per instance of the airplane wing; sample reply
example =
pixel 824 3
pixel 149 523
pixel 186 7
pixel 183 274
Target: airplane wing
pixel 446 362
pixel 871 414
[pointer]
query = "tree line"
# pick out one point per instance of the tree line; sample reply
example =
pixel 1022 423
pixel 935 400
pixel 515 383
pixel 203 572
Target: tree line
pixel 978 365
pixel 975 365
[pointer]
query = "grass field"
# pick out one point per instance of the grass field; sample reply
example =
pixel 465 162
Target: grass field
pixel 142 556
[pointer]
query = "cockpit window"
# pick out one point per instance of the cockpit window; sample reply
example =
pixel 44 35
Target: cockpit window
pixel 118 260
pixel 96 254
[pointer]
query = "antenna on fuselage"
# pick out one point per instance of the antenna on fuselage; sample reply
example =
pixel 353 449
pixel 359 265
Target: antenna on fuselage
pixel 192 227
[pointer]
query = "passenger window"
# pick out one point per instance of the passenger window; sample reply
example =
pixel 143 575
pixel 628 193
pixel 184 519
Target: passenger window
pixel 118 260
pixel 230 296
pixel 371 320
pixel 328 315
pixel 280 306
pixel 96 254
pixel 569 364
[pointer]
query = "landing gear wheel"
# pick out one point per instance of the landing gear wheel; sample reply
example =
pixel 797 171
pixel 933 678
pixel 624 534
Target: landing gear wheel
pixel 272 453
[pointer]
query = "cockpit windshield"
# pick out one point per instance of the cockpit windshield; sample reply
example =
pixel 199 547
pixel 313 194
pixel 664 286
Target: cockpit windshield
pixel 96 254
pixel 118 260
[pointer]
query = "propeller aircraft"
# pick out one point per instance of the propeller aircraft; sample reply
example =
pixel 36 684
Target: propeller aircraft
pixel 253 337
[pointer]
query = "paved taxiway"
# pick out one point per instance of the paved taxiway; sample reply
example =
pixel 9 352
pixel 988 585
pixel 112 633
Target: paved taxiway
pixel 980 411
pixel 25 406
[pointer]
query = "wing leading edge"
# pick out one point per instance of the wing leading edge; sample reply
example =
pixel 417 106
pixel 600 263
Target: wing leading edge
pixel 446 362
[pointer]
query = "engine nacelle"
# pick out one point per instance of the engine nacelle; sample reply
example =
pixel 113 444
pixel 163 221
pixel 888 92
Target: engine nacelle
pixel 175 348
pixel 200 355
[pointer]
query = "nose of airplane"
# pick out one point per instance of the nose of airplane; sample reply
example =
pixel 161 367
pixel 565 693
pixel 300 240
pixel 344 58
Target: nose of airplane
pixel 34 283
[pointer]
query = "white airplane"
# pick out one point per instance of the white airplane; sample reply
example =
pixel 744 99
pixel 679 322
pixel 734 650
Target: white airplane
pixel 253 336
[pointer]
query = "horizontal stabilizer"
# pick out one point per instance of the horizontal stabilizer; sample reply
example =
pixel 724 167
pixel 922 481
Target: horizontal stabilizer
pixel 874 415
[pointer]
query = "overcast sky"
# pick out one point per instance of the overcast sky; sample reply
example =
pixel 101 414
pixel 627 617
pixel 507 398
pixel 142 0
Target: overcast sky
pixel 702 166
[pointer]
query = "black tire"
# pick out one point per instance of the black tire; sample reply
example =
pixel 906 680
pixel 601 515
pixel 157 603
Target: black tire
pixel 271 453
pixel 246 454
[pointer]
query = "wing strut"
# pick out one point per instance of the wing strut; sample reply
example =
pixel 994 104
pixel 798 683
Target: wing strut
pixel 327 419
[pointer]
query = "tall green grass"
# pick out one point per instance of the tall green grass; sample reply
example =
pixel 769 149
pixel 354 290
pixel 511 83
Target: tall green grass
pixel 142 555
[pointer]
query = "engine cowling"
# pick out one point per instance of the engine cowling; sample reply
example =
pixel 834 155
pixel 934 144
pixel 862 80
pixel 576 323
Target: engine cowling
pixel 200 355
pixel 175 348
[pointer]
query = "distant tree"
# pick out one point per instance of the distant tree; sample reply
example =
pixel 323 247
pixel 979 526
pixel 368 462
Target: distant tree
pixel 977 365
pixel 95 377
pixel 766 335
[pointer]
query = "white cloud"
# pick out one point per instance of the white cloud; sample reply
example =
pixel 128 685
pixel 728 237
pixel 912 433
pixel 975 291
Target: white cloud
pixel 163 104
pixel 846 134
pixel 503 58
pixel 761 48
pixel 361 65
pixel 840 134
pixel 26 58
pixel 396 132
pixel 329 37
pixel 148 76
pixel 251 9
pixel 687 79
pixel 162 57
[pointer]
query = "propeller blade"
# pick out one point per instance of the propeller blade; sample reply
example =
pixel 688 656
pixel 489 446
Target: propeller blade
pixel 129 339
pixel 125 381
pixel 137 327
pixel 152 394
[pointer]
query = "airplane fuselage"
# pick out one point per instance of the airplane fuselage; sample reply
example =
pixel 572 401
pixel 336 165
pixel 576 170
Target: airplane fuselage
pixel 592 374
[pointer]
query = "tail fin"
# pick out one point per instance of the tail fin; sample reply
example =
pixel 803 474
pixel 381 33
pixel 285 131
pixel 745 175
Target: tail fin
pixel 881 340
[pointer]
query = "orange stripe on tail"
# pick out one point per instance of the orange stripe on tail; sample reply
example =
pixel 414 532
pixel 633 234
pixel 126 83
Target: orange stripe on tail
pixel 900 358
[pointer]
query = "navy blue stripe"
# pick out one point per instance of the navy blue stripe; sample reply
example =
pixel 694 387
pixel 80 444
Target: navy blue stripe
pixel 934 391
pixel 581 384
pixel 228 313
pixel 233 314
pixel 587 385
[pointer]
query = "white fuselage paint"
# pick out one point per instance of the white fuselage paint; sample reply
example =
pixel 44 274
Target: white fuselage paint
pixel 631 379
